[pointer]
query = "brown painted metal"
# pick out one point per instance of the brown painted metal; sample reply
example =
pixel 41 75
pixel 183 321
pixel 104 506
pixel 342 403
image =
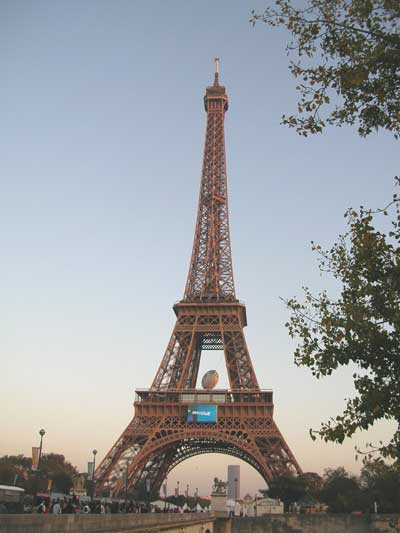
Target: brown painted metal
pixel 209 317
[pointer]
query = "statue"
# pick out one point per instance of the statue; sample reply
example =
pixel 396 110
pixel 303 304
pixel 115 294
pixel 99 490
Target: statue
pixel 219 486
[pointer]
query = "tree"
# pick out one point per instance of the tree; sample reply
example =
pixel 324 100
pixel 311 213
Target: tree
pixel 361 327
pixel 192 501
pixel 341 491
pixel 287 488
pixel 348 61
pixel 313 484
pixel 52 466
pixel 291 489
pixel 55 467
pixel 381 483
pixel 7 473
pixel 141 493
pixel 15 469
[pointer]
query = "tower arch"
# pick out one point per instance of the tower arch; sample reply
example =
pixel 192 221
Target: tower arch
pixel 172 449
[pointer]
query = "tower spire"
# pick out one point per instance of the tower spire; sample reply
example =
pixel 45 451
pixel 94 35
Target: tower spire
pixel 216 72
pixel 210 275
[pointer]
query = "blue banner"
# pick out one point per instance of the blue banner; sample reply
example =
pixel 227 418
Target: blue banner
pixel 202 413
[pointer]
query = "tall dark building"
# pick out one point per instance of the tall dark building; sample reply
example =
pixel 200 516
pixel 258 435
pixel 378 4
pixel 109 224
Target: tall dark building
pixel 234 482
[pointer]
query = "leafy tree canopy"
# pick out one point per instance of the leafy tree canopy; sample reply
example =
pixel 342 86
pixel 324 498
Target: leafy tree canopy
pixel 341 491
pixel 361 327
pixel 191 501
pixel 347 60
pixel 16 468
pixel 381 483
pixel 56 463
pixel 313 483
pixel 287 488
pixel 140 492
pixel 7 473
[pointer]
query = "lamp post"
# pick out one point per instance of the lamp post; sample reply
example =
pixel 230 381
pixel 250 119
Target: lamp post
pixel 126 486
pixel 94 452
pixel 42 433
pixel 148 489
pixel 124 475
pixel 236 488
pixel 165 487
pixel 121 471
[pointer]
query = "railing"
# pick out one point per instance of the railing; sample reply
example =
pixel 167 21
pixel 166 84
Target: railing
pixel 112 523
pixel 211 302
pixel 197 396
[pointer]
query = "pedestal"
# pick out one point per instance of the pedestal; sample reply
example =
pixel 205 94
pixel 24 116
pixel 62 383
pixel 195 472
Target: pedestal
pixel 218 504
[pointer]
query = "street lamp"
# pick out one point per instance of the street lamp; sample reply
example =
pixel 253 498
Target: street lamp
pixel 94 452
pixel 126 486
pixel 42 433
pixel 148 489
pixel 94 459
pixel 165 489
pixel 124 475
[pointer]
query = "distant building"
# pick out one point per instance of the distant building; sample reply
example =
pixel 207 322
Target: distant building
pixel 233 482
pixel 267 506
pixel 308 504
pixel 79 484
pixel 261 506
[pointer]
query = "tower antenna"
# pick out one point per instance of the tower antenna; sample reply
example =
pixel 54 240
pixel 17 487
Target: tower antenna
pixel 216 72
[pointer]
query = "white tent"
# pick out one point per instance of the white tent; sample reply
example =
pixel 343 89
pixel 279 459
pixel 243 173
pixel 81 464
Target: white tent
pixel 162 503
pixel 171 506
pixel 158 503
pixel 198 508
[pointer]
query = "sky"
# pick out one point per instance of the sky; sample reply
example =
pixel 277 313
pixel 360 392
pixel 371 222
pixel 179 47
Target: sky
pixel 102 132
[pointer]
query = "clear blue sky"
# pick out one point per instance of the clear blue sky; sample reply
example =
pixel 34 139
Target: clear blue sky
pixel 102 131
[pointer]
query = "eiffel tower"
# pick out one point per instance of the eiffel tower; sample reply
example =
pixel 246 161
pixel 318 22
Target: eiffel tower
pixel 173 419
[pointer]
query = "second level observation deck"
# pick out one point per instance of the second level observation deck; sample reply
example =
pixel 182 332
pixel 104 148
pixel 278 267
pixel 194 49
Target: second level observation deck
pixel 174 402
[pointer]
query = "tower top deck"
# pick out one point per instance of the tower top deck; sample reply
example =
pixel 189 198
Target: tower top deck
pixel 216 93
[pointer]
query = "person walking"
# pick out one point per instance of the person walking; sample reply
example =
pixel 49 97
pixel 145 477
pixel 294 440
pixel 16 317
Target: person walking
pixel 57 508
pixel 42 507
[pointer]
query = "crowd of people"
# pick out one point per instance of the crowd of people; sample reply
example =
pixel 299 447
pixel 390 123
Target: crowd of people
pixel 74 506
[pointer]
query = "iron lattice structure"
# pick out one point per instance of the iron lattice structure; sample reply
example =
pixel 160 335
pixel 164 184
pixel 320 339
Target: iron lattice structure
pixel 209 317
